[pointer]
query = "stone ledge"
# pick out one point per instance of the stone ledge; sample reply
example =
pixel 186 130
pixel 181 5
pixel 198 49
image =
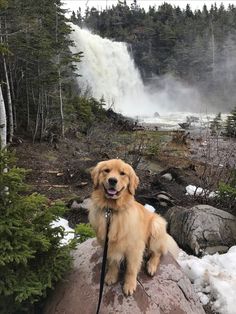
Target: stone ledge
pixel 168 292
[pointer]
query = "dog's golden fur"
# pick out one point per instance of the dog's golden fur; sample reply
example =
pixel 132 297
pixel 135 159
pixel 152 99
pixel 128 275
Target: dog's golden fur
pixel 133 228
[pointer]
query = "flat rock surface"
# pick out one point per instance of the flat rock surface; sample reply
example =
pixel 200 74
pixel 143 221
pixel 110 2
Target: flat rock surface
pixel 168 292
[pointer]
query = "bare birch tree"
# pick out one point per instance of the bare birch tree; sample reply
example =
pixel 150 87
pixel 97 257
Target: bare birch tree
pixel 10 129
pixel 3 122
pixel 9 103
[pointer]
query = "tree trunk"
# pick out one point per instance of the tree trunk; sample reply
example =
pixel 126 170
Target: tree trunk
pixel 60 84
pixel 10 126
pixel 42 114
pixel 61 102
pixel 3 122
pixel 213 49
pixel 27 106
pixel 9 103
pixel 13 99
pixel 37 117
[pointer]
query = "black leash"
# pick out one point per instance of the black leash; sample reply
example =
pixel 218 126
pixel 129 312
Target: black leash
pixel 104 259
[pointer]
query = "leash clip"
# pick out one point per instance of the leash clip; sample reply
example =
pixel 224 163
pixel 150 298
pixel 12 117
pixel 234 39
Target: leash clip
pixel 108 213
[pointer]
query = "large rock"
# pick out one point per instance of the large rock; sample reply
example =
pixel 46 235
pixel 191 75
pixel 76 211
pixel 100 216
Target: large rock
pixel 169 291
pixel 202 229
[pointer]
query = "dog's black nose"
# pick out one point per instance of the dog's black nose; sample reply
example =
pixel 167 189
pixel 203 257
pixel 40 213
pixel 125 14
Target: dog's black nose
pixel 112 181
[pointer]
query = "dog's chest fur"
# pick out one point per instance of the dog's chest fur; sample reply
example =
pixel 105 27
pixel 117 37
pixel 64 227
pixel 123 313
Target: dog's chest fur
pixel 123 227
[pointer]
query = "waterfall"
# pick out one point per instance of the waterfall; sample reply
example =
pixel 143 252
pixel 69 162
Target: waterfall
pixel 109 71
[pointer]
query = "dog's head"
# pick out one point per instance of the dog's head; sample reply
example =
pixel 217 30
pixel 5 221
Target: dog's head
pixel 114 177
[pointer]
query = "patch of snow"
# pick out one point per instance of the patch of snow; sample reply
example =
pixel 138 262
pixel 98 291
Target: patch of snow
pixel 69 232
pixel 213 194
pixel 214 278
pixel 204 299
pixel 196 191
pixel 150 208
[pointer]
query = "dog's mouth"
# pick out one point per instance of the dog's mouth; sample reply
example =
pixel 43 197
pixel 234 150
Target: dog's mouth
pixel 111 192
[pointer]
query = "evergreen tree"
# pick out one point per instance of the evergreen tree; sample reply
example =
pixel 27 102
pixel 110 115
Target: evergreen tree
pixel 32 257
pixel 231 124
pixel 216 124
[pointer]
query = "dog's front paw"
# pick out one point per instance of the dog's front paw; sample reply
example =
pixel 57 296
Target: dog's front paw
pixel 129 287
pixel 111 278
pixel 151 268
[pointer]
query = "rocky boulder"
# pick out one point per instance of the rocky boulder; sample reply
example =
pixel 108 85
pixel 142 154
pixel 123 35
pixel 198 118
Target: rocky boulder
pixel 202 229
pixel 169 291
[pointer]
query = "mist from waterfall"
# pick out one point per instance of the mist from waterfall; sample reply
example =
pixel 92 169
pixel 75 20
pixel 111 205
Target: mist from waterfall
pixel 108 70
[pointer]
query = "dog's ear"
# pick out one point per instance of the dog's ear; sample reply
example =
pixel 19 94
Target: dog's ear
pixel 95 174
pixel 133 181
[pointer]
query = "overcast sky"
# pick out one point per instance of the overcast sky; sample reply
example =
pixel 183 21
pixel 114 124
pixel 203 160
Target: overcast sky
pixel 101 4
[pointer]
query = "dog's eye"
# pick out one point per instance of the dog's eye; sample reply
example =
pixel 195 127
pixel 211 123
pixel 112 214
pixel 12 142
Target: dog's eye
pixel 106 170
pixel 122 173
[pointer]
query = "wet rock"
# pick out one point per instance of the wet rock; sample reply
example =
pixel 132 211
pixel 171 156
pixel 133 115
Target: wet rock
pixel 163 196
pixel 75 205
pixel 167 176
pixel 85 204
pixel 160 201
pixel 214 249
pixel 165 200
pixel 168 292
pixel 78 212
pixel 177 174
pixel 202 229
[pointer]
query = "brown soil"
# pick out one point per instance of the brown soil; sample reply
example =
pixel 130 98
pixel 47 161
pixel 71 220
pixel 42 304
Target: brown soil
pixel 62 171
pixel 55 172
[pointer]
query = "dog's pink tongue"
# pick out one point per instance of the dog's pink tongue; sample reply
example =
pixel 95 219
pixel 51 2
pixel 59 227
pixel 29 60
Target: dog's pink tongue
pixel 111 191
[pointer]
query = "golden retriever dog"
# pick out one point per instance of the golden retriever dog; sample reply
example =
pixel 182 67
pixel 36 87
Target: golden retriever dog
pixel 132 227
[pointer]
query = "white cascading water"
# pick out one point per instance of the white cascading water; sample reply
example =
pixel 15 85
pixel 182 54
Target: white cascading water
pixel 109 71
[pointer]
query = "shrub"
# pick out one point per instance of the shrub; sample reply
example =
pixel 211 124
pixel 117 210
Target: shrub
pixel 85 111
pixel 84 232
pixel 32 258
pixel 153 150
pixel 227 193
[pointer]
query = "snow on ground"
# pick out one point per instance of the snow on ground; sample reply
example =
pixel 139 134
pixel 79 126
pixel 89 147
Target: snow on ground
pixel 150 208
pixel 196 191
pixel 69 232
pixel 214 278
